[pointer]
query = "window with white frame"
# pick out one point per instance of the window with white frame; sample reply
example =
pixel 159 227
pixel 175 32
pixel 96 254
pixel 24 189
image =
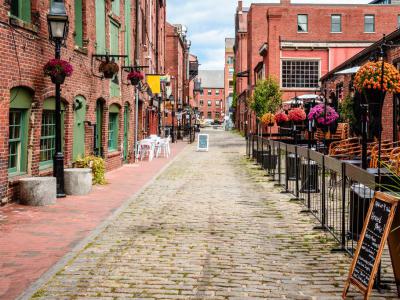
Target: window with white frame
pixel 300 73
pixel 302 23
pixel 369 23
pixel 209 92
pixel 336 23
pixel 209 103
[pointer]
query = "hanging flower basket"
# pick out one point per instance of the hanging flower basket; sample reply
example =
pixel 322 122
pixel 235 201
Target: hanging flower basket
pixel 369 78
pixel 297 115
pixel 281 118
pixel 324 116
pixel 268 119
pixel 109 69
pixel 57 69
pixel 135 77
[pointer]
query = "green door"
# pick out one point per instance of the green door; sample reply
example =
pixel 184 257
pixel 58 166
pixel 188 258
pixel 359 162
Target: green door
pixel 78 148
pixel 99 128
pixel 126 132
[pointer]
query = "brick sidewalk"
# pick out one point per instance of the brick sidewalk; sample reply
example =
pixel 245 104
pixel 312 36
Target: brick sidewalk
pixel 32 239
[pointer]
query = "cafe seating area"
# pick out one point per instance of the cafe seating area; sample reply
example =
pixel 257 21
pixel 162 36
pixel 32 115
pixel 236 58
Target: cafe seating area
pixel 154 147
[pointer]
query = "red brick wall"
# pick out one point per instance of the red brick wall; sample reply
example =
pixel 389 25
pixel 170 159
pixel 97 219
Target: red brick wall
pixel 204 109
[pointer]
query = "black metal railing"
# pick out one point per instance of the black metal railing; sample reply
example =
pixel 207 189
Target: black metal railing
pixel 335 192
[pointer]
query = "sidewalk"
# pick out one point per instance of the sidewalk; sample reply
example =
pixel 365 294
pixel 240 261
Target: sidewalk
pixel 32 239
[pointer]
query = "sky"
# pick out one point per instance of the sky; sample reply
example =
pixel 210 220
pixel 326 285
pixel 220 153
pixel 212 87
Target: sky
pixel 210 21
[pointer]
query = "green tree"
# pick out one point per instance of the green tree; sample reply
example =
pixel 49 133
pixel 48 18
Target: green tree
pixel 267 97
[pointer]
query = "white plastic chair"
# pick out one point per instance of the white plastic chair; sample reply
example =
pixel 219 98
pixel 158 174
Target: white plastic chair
pixel 146 149
pixel 163 148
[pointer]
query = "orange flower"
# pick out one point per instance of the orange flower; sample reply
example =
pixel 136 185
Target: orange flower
pixel 370 76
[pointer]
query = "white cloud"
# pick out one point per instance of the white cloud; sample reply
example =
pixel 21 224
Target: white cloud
pixel 209 22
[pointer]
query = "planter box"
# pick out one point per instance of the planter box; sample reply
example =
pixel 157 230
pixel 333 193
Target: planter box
pixel 38 191
pixel 78 181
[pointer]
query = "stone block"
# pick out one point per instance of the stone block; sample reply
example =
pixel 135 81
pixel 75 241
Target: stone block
pixel 78 181
pixel 38 191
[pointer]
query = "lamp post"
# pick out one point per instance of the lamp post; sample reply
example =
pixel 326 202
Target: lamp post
pixel 58 22
pixel 172 102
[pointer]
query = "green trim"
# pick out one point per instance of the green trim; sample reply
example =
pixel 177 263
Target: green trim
pixel 20 98
pixel 113 122
pixel 114 49
pixel 78 23
pixel 114 108
pixel 115 7
pixel 128 32
pixel 99 126
pixel 21 9
pixel 78 144
pixel 101 27
pixel 18 140
pixel 126 132
pixel 50 104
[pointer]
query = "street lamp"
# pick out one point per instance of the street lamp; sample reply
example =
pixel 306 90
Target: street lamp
pixel 58 22
pixel 172 102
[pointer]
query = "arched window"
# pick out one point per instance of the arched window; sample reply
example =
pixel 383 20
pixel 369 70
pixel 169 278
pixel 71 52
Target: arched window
pixel 113 127
pixel 48 132
pixel 20 105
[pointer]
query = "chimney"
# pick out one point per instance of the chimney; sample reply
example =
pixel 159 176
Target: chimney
pixel 285 2
pixel 240 5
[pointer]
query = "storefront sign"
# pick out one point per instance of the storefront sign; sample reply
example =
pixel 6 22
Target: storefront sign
pixel 202 142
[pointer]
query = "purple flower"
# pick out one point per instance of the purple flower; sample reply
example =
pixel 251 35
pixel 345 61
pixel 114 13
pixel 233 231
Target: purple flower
pixel 323 115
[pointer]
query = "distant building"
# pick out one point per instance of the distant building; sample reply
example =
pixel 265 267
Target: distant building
pixel 228 73
pixel 211 99
pixel 385 2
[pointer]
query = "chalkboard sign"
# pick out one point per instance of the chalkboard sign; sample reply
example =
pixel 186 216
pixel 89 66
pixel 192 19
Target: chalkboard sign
pixel 202 142
pixel 372 241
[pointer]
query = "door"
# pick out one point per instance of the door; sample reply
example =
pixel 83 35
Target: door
pixel 126 132
pixel 78 149
pixel 99 128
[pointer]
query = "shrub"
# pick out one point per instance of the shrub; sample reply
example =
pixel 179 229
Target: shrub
pixel 98 166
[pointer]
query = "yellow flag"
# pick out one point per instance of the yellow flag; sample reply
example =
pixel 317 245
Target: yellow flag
pixel 154 83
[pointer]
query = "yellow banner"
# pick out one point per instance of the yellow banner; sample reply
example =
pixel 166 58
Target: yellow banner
pixel 154 82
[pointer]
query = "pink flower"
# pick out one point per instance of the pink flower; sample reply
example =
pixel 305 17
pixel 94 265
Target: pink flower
pixel 281 117
pixel 135 75
pixel 323 115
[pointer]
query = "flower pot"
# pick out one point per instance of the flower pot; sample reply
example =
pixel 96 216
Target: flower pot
pixel 58 78
pixel 108 74
pixel 135 81
pixel 109 69
pixel 374 95
pixel 374 98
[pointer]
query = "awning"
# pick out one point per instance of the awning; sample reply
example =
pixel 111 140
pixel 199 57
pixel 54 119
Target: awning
pixel 352 70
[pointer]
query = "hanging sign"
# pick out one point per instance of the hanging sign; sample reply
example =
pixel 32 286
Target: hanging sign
pixel 202 142
pixel 154 82
pixel 376 230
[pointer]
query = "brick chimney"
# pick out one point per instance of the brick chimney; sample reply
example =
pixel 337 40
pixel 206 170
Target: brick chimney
pixel 240 5
pixel 285 2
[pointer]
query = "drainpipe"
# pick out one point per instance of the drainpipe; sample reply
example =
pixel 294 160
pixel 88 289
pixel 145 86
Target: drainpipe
pixel 137 63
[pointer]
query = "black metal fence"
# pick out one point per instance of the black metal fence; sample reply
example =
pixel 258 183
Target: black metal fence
pixel 338 194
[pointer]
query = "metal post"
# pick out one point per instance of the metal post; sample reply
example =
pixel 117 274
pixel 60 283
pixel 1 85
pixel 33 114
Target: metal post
pixel 58 162
pixel 309 180
pixel 323 195
pixel 173 123
pixel 136 121
pixel 279 163
pixel 297 172
pixel 343 229
pixel 159 115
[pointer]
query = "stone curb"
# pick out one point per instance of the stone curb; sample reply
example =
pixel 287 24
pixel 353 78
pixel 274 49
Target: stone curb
pixel 42 280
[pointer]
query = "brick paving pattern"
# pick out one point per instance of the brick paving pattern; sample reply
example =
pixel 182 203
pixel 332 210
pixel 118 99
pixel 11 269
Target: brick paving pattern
pixel 210 227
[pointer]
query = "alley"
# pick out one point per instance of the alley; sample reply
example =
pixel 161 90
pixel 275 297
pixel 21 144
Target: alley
pixel 210 227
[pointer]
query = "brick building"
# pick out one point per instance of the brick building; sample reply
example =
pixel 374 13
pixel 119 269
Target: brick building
pixel 98 114
pixel 211 98
pixel 228 73
pixel 298 43
pixel 340 81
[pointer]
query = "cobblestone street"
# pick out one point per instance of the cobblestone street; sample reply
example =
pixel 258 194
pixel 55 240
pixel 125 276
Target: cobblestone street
pixel 210 227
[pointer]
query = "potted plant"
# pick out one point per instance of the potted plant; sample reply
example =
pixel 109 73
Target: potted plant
pixel 58 69
pixel 324 116
pixel 109 69
pixel 281 118
pixel 268 119
pixel 135 77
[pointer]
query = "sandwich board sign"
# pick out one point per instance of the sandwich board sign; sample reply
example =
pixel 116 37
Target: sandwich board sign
pixel 378 228
pixel 202 142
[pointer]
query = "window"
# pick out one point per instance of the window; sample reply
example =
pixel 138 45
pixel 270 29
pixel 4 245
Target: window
pixel 20 103
pixel 209 103
pixel 114 49
pixel 336 23
pixel 217 115
pixel 78 33
pixel 128 32
pixel 217 103
pixel 369 23
pixel 300 73
pixel 201 92
pixel 230 84
pixel 100 27
pixel 113 123
pixel 48 133
pixel 217 92
pixel 209 92
pixel 230 61
pixel 231 71
pixel 302 23
pixel 398 21
pixel 209 115
pixel 21 9
pixel 201 102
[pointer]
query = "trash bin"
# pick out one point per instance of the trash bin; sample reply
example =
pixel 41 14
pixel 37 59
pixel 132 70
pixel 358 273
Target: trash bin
pixel 291 167
pixel 360 199
pixel 309 178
